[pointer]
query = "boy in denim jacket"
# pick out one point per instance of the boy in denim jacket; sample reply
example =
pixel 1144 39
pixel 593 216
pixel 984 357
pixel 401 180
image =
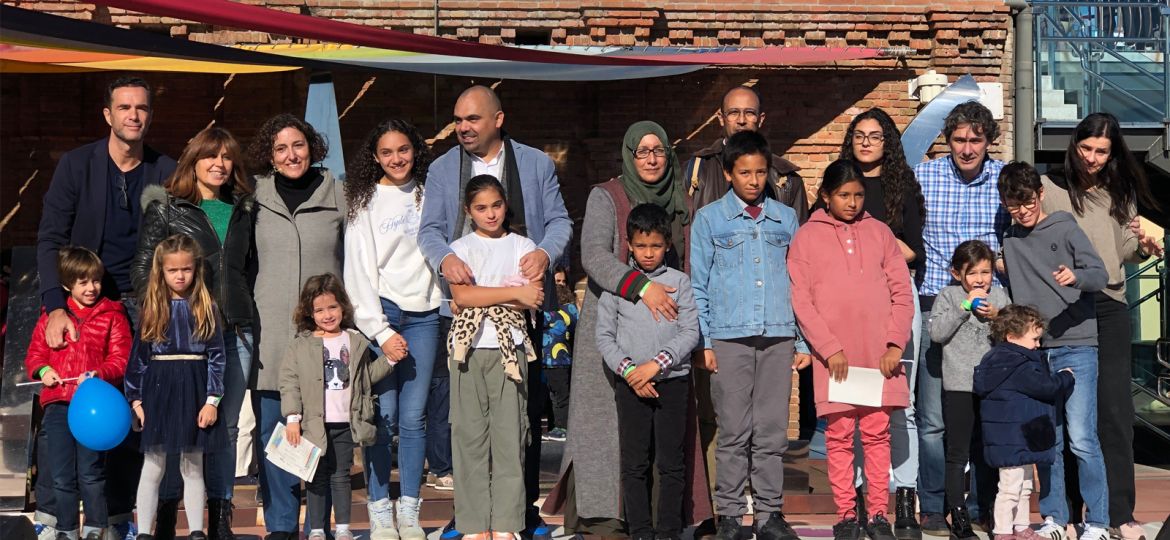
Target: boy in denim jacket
pixel 739 247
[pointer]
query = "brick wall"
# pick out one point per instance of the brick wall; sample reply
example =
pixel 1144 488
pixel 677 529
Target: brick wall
pixel 580 124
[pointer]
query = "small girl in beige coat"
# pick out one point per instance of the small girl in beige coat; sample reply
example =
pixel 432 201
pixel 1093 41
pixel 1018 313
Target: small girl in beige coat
pixel 326 395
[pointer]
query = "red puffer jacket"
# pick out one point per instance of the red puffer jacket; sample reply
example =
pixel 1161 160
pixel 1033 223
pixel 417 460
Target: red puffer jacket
pixel 103 345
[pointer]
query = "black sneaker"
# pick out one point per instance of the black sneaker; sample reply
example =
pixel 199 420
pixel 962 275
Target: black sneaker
pixel 935 525
pixel 729 528
pixel 775 528
pixel 95 535
pixel 847 529
pixel 705 530
pixel 878 528
pixel 196 535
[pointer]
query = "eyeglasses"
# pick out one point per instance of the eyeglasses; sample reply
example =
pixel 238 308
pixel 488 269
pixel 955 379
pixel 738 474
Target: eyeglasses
pixel 873 138
pixel 1030 205
pixel 643 153
pixel 747 113
pixel 123 195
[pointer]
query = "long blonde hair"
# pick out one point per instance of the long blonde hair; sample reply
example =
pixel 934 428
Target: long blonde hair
pixel 156 305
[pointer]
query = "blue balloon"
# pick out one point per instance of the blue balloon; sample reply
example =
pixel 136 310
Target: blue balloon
pixel 99 416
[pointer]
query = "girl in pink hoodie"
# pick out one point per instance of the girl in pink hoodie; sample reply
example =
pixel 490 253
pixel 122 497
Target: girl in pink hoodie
pixel 852 298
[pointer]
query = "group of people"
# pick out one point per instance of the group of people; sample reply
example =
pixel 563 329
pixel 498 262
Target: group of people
pixel 409 300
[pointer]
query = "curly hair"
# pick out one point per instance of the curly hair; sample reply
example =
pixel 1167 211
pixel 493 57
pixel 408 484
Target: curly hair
pixel 260 150
pixel 1015 320
pixel 316 286
pixel 974 114
pixel 364 172
pixel 899 186
pixel 1122 177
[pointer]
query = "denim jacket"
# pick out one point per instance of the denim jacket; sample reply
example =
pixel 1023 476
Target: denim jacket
pixel 739 271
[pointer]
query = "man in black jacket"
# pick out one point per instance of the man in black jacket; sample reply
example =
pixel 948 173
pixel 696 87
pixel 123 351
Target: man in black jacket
pixel 93 201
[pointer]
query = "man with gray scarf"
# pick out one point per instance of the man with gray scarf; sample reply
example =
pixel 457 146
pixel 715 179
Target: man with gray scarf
pixel 535 209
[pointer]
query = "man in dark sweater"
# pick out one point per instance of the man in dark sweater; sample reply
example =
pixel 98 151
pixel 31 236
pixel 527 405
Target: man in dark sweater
pixel 93 202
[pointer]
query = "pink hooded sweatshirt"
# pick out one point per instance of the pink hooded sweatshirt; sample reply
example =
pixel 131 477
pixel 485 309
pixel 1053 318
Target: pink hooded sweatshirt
pixel 851 293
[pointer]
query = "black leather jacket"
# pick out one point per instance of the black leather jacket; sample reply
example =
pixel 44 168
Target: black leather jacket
pixel 227 269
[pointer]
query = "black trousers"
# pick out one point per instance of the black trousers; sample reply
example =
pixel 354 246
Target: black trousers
pixel 558 393
pixel 653 431
pixel 964 444
pixel 1114 414
pixel 332 478
pixel 536 404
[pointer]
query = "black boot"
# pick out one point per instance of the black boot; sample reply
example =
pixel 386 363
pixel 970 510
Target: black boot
pixel 168 514
pixel 219 520
pixel 905 521
pixel 961 524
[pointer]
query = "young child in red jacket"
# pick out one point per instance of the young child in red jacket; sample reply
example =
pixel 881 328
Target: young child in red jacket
pixel 101 350
pixel 852 297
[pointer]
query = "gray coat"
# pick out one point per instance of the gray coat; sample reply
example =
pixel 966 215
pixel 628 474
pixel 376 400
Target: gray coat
pixel 290 248
pixel 302 387
pixel 628 330
pixel 965 336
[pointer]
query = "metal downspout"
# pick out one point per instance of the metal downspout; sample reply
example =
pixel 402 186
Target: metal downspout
pixel 1024 124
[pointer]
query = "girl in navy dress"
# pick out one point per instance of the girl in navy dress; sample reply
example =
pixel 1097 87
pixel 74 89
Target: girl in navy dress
pixel 175 379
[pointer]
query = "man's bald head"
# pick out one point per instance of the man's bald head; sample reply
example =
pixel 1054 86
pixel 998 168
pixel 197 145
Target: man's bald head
pixel 479 116
pixel 740 111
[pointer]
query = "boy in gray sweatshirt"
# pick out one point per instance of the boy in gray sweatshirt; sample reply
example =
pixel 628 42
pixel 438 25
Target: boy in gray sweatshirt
pixel 1051 265
pixel 652 359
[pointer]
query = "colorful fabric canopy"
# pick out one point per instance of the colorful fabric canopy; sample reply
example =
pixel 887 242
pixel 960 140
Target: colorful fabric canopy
pixel 33 42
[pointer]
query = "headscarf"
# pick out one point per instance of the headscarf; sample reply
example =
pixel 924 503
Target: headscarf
pixel 667 192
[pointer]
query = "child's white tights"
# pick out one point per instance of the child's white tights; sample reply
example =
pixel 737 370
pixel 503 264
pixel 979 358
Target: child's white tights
pixel 191 468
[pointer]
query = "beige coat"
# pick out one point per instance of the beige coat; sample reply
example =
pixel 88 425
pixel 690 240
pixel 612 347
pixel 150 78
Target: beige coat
pixel 302 387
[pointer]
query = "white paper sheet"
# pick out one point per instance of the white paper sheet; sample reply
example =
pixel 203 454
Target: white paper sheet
pixel 300 460
pixel 863 386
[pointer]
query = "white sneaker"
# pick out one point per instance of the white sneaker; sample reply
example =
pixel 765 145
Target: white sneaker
pixel 1095 533
pixel 382 520
pixel 45 532
pixel 408 527
pixel 1051 530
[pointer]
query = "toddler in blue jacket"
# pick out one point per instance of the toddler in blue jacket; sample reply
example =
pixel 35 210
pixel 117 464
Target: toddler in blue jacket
pixel 1017 411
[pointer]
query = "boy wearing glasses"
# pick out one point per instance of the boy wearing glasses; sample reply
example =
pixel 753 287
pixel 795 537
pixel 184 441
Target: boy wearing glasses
pixel 1051 265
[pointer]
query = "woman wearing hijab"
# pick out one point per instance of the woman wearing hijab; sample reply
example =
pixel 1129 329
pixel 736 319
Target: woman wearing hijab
pixel 588 492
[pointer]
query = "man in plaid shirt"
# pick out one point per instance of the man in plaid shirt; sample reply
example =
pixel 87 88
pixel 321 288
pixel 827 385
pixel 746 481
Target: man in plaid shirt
pixel 962 203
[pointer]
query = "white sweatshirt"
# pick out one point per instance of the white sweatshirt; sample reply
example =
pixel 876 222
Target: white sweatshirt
pixel 382 260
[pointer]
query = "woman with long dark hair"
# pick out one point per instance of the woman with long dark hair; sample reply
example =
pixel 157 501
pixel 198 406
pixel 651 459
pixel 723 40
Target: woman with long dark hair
pixel 396 305
pixel 299 218
pixel 894 197
pixel 1101 184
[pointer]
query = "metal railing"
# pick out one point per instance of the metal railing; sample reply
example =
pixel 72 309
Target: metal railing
pixel 1118 48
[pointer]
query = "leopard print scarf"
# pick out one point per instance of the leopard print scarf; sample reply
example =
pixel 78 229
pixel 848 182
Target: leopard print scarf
pixel 466 325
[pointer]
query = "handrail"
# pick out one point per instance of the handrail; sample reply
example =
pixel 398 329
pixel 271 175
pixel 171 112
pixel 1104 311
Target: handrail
pixel 1137 273
pixel 1096 34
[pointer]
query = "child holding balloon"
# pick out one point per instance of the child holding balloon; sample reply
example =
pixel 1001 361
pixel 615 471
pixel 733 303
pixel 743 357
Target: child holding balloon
pixel 961 323
pixel 101 350
pixel 175 379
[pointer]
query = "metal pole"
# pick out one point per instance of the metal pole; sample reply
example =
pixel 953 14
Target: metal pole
pixel 1025 83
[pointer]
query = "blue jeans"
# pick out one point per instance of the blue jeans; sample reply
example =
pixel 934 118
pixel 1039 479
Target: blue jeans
pixel 932 456
pixel 219 468
pixel 281 490
pixel 78 473
pixel 1079 415
pixel 402 402
pixel 438 422
pixel 903 426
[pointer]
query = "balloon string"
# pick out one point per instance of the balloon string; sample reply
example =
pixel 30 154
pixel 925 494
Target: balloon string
pixel 39 382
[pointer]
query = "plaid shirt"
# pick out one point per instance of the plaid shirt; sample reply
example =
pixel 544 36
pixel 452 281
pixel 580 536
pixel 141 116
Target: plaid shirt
pixel 957 211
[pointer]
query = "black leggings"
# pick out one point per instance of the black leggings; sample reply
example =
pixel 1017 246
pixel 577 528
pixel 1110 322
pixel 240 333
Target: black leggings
pixel 332 476
pixel 964 444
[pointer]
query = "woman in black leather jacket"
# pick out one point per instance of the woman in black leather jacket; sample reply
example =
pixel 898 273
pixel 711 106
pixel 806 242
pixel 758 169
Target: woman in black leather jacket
pixel 208 198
